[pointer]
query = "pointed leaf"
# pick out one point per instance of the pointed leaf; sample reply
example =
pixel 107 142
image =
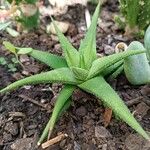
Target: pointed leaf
pixel 112 68
pixel 137 68
pixel 100 88
pixel 147 42
pixel 49 59
pixel 61 102
pixel 23 51
pixel 102 63
pixel 116 72
pixel 62 75
pixel 71 54
pixel 88 45
pixel 80 73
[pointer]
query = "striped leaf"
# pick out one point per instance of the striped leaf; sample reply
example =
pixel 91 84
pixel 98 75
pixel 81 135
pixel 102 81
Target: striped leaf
pixel 61 103
pixel 62 75
pixel 102 63
pixel 100 88
pixel 88 45
pixel 71 54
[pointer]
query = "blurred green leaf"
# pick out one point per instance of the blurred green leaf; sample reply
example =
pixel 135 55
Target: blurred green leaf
pixel 10 47
pixel 4 25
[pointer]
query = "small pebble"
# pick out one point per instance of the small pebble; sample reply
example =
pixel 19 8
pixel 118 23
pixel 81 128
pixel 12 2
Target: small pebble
pixel 81 111
pixel 101 132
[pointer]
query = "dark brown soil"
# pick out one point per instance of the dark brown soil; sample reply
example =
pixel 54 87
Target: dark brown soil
pixel 23 121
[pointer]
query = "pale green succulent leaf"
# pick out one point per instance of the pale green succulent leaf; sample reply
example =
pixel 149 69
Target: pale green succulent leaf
pixel 88 45
pixel 80 74
pixel 61 105
pixel 147 42
pixel 100 88
pixel 61 75
pixel 137 68
pixel 101 64
pixel 71 54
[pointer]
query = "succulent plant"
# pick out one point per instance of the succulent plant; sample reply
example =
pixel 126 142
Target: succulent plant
pixel 80 69
pixel 136 13
pixel 29 12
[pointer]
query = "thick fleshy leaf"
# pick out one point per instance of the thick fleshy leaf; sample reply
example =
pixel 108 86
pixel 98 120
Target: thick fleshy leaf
pixel 147 42
pixel 116 72
pixel 100 88
pixel 88 45
pixel 49 59
pixel 101 64
pixel 61 75
pixel 112 68
pixel 137 68
pixel 61 103
pixel 80 73
pixel 71 54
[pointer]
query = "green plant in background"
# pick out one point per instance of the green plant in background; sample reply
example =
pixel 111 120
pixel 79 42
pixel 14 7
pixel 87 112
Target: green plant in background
pixel 11 66
pixel 136 13
pixel 3 61
pixel 28 12
pixel 80 69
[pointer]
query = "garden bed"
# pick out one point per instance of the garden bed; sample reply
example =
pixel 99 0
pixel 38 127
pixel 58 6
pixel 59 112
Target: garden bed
pixel 22 121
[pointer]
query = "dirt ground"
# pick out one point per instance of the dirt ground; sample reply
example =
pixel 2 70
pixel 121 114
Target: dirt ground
pixel 22 121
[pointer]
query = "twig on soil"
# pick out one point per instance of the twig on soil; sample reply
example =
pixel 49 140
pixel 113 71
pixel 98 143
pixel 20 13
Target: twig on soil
pixel 17 114
pixel 134 101
pixel 146 100
pixel 54 140
pixel 34 102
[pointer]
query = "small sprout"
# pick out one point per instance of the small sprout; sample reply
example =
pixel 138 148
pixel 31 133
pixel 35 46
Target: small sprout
pixel 14 60
pixel 12 68
pixel 10 47
pixel 3 61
